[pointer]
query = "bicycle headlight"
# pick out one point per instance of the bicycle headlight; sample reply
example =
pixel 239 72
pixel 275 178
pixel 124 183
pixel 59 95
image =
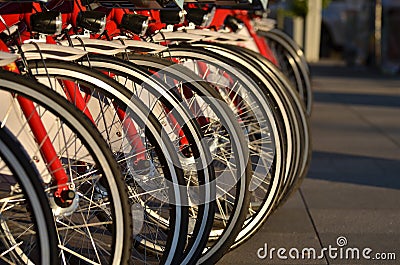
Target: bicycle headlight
pixel 197 16
pixel 93 21
pixel 49 22
pixel 135 23
pixel 172 17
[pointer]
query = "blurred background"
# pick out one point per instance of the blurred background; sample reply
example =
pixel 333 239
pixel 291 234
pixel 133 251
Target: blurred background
pixel 358 32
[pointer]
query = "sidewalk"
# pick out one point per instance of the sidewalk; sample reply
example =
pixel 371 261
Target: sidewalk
pixel 353 186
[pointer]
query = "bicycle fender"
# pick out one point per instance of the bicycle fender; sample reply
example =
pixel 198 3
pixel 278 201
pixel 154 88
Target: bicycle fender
pixel 209 35
pixel 96 46
pixel 34 51
pixel 177 36
pixel 7 58
pixel 141 46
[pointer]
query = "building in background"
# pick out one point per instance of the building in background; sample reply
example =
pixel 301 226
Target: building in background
pixel 348 30
pixel 347 26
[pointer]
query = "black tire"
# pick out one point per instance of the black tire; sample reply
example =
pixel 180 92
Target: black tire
pixel 126 72
pixel 292 59
pixel 106 166
pixel 300 114
pixel 280 94
pixel 31 212
pixel 284 92
pixel 206 55
pixel 196 85
pixel 174 237
pixel 241 200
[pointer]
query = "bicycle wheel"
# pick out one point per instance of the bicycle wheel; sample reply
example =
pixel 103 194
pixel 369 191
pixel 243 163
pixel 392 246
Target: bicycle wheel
pixel 154 184
pixel 27 230
pixel 300 113
pixel 204 101
pixel 299 51
pixel 292 63
pixel 254 112
pixel 194 155
pixel 267 73
pixel 91 172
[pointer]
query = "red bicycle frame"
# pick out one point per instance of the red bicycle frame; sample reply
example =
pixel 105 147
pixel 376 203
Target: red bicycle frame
pixel 38 129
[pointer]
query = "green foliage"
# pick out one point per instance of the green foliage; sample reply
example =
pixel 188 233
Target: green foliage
pixel 299 8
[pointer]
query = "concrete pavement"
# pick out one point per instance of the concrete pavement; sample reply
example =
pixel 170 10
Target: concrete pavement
pixel 353 186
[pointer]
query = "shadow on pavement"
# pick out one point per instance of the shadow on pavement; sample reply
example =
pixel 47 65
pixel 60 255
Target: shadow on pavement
pixel 358 99
pixel 350 72
pixel 355 169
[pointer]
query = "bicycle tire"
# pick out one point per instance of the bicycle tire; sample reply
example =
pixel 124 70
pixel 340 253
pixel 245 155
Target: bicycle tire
pixel 290 171
pixel 123 71
pixel 109 88
pixel 300 111
pixel 292 56
pixel 268 73
pixel 31 192
pixel 183 52
pixel 105 163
